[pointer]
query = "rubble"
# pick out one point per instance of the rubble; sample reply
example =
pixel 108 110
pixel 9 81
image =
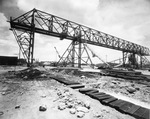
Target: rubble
pixel 74 105
pixel 83 77
pixel 43 108
pixel 80 114
pixel 87 104
pixel 43 96
pixel 17 107
pixel 70 105
pixel 72 111
pixel 29 73
pixel 82 109
pixel 131 90
pixel 99 116
pixel 43 75
pixel 62 106
pixel 3 93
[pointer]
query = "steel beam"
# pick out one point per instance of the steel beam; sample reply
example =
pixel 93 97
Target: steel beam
pixel 79 54
pixel 73 53
pixel 36 21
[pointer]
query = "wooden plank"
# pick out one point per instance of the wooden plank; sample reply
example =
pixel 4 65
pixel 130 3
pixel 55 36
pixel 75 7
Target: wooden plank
pixel 95 96
pixel 120 104
pixel 73 83
pixel 139 112
pixel 146 115
pixel 115 103
pixel 87 90
pixel 99 93
pixel 100 98
pixel 106 101
pixel 125 107
pixel 76 86
pixel 133 109
pixel 90 92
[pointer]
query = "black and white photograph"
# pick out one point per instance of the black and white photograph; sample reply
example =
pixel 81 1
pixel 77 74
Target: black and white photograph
pixel 74 59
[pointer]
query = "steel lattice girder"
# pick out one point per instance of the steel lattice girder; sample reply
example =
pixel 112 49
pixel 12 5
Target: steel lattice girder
pixel 55 26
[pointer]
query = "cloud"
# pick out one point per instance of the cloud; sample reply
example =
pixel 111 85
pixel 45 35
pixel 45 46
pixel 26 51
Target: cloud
pixel 69 9
pixel 10 8
pixel 128 19
pixel 8 45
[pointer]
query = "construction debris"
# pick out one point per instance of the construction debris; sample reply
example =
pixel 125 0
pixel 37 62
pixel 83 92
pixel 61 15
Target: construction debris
pixel 87 104
pixel 62 106
pixel 43 108
pixel 17 107
pixel 70 102
pixel 131 90
pixel 82 109
pixel 72 111
pixel 3 93
pixel 74 105
pixel 80 114
pixel 29 73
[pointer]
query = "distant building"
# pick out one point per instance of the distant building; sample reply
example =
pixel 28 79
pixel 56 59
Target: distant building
pixel 8 60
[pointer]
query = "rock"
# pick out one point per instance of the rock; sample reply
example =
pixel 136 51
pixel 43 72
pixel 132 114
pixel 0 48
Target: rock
pixel 83 77
pixel 72 111
pixel 137 88
pixel 43 108
pixel 100 116
pixel 59 93
pixel 132 85
pixel 17 106
pixel 79 102
pixel 70 105
pixel 106 111
pixel 25 77
pixel 114 82
pixel 80 114
pixel 70 100
pixel 112 85
pixel 3 93
pixel 66 94
pixel 131 89
pixel 62 106
pixel 1 113
pixel 43 96
pixel 43 75
pixel 82 109
pixel 87 104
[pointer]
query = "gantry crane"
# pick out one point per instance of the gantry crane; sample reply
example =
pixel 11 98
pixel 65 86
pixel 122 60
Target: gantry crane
pixel 25 26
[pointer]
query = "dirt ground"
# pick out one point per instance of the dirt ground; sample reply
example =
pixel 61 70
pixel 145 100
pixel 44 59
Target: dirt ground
pixel 21 96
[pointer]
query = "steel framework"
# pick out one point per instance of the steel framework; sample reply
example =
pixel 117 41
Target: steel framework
pixel 72 57
pixel 36 21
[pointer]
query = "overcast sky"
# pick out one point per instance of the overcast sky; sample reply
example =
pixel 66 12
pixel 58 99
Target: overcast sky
pixel 127 19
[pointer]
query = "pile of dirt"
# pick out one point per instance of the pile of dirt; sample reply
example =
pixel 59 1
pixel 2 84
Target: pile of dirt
pixel 29 73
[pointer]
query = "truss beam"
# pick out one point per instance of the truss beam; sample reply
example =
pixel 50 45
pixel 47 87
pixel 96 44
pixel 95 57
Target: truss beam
pixel 36 21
